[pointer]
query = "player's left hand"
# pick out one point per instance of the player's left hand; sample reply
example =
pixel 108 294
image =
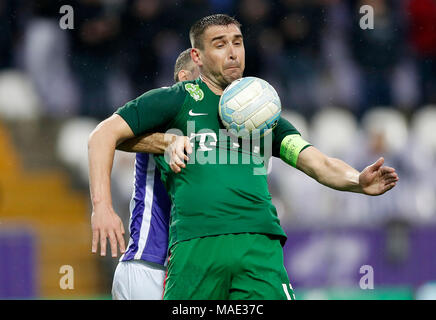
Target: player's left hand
pixel 376 179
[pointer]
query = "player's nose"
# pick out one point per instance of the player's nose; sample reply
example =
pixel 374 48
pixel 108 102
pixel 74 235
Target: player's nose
pixel 232 53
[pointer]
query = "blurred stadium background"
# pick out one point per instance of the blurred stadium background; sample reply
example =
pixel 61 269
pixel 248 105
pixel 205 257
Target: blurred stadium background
pixel 355 94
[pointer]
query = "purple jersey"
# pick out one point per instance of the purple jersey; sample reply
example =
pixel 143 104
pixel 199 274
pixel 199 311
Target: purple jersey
pixel 149 214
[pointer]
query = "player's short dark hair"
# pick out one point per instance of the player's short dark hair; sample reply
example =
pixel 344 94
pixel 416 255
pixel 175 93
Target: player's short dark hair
pixel 182 62
pixel 197 30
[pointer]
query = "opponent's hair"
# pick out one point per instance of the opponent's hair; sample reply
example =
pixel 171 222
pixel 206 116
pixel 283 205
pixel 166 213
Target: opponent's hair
pixel 197 30
pixel 182 62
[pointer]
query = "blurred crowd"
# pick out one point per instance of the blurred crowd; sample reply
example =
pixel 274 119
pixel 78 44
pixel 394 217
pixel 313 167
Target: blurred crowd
pixel 314 52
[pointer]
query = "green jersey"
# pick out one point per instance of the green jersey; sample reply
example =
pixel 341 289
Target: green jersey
pixel 220 191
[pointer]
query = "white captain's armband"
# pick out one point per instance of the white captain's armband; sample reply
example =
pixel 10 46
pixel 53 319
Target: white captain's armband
pixel 291 147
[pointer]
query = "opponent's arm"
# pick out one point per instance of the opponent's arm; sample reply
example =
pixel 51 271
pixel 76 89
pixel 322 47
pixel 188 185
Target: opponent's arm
pixel 148 143
pixel 150 111
pixel 101 148
pixel 375 179
pixel 159 143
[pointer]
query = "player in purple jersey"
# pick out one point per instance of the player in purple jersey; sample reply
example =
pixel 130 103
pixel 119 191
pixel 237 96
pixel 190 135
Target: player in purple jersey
pixel 141 269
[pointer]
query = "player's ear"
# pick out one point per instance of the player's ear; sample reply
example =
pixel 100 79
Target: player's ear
pixel 195 56
pixel 183 75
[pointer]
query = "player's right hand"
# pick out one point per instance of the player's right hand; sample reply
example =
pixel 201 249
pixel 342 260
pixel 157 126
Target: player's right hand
pixel 176 153
pixel 107 224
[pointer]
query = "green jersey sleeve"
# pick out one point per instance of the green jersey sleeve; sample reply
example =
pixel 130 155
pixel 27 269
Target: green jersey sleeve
pixel 153 110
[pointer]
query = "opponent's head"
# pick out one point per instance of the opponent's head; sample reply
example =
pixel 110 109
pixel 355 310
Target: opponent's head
pixel 185 68
pixel 218 48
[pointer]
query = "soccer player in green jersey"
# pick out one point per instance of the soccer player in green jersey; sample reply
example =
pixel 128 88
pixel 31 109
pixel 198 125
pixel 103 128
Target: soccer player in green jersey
pixel 225 237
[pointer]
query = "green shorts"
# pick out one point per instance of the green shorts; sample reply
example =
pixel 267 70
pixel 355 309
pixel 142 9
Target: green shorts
pixel 244 266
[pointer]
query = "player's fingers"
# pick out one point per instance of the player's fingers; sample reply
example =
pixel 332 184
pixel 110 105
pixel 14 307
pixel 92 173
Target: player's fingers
pixel 113 243
pixel 94 240
pixel 174 163
pixel 174 167
pixel 392 175
pixel 391 180
pixel 385 170
pixel 180 148
pixel 122 227
pixel 102 243
pixel 389 186
pixel 188 146
pixel 376 165
pixel 120 239
pixel 180 156
pixel 181 151
pixel 177 160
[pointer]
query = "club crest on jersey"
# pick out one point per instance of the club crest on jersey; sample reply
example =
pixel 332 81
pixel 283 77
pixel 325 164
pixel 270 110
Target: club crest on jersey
pixel 194 90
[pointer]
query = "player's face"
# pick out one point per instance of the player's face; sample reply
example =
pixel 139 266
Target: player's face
pixel 223 56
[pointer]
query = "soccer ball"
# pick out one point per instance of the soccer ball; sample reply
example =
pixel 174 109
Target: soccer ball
pixel 247 104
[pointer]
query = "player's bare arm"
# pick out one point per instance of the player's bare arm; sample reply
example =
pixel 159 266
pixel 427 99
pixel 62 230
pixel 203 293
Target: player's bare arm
pixel 101 149
pixel 174 146
pixel 148 143
pixel 374 180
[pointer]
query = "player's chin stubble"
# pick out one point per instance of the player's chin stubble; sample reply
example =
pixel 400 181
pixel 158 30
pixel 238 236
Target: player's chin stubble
pixel 229 78
pixel 221 78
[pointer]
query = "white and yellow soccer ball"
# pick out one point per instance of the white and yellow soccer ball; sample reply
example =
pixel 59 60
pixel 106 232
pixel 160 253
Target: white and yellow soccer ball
pixel 247 104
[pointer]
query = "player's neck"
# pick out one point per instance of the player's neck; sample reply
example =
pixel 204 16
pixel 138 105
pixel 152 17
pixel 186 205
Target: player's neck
pixel 214 87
